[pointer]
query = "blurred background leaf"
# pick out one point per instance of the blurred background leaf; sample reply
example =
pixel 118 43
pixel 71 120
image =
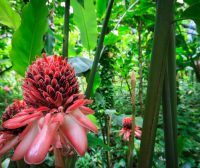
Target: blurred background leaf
pixel 85 19
pixel 8 16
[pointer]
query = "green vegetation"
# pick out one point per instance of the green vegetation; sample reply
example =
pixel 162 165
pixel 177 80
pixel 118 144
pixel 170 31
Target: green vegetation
pixel 106 40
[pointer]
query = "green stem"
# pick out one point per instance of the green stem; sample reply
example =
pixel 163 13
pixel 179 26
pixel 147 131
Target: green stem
pixel 6 69
pixel 99 49
pixel 163 24
pixel 70 161
pixel 66 29
pixel 140 61
pixel 108 140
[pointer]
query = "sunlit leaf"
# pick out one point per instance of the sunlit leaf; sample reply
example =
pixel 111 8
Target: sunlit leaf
pixel 101 7
pixel 96 84
pixel 8 16
pixel 111 39
pixel 27 41
pixel 85 19
pixel 92 118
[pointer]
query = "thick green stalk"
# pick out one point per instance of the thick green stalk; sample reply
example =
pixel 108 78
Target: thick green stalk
pixel 66 29
pixel 164 20
pixel 169 106
pixel 99 49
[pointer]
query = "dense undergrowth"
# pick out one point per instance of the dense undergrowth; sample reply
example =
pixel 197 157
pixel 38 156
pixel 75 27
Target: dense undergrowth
pixel 188 126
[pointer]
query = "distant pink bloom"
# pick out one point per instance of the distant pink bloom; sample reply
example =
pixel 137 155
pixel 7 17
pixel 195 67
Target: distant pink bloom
pixel 10 138
pixel 55 114
pixel 126 130
pixel 6 88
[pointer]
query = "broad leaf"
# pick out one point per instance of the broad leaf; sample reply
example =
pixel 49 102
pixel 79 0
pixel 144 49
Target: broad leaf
pixel 85 19
pixel 27 41
pixel 8 17
pixel 192 12
pixel 81 2
pixel 190 2
pixel 97 82
pixel 92 118
pixel 111 39
pixel 80 64
pixel 94 141
pixel 49 42
pixel 101 7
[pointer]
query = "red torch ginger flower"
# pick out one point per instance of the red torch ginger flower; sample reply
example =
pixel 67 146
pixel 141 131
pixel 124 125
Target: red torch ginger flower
pixel 10 138
pixel 126 130
pixel 56 113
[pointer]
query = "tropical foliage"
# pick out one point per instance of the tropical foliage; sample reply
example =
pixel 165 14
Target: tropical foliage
pixel 139 61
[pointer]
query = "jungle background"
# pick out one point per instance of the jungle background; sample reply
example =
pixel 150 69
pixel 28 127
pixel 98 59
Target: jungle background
pixel 127 47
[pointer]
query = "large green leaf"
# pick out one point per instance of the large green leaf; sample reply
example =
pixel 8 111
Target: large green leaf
pixel 8 17
pixel 190 2
pixel 27 41
pixel 85 19
pixel 101 7
pixel 192 12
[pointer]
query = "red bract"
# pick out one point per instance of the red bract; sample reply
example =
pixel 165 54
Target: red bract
pixel 7 141
pixel 10 138
pixel 126 130
pixel 55 115
pixel 13 109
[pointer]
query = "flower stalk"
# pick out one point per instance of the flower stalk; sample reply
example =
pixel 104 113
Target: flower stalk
pixel 131 140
